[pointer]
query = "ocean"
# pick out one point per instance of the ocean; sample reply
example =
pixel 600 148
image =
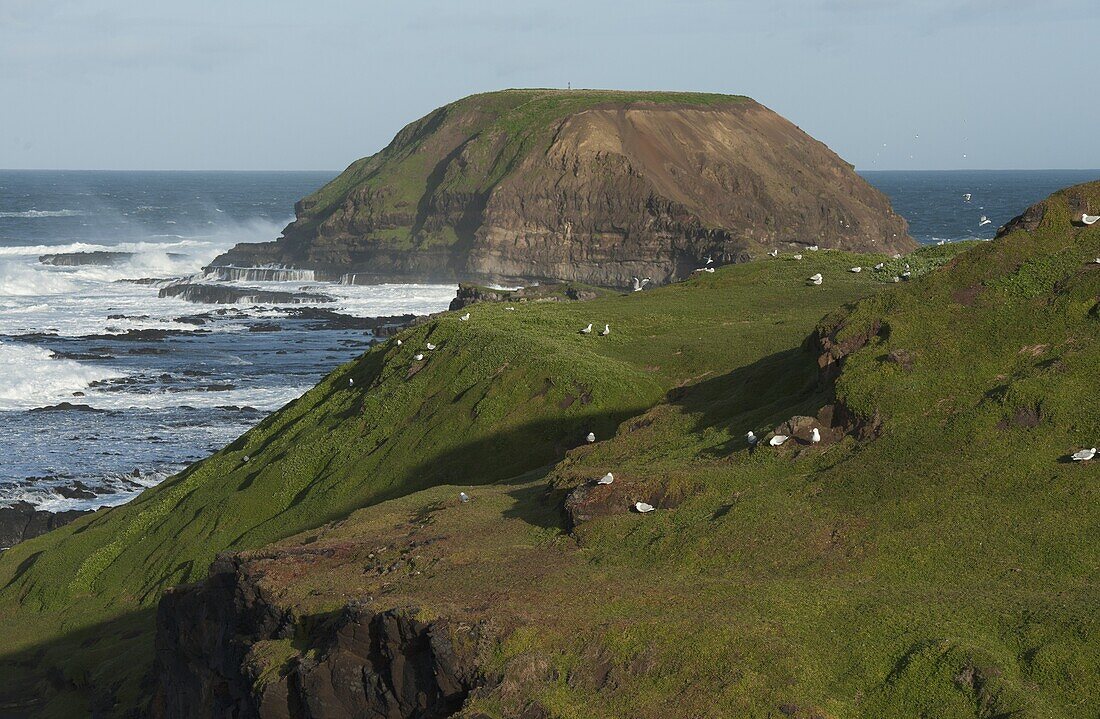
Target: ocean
pixel 154 384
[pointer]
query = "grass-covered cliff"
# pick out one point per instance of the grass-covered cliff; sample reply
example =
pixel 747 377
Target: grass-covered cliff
pixel 588 185
pixel 934 555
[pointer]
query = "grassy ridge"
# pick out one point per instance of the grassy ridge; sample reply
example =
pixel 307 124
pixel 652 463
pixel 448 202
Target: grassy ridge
pixel 504 393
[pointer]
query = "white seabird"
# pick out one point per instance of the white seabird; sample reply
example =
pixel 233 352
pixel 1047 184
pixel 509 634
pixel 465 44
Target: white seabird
pixel 856 269
pixel 815 436
pixel 797 257
pixel 430 346
pixel 606 479
pixel 465 317
pixel 708 269
pixel 896 279
pixel 639 284
pixel 710 261
pixel 812 248
pixel 984 221
pixel 751 438
pixel 1083 455
pixel 897 256
pixel 773 253
pixel 966 197
pixel 880 265
pixel 778 440
pixel 245 458
pixel 510 309
pixel 463 497
pixel 398 343
pixel 351 382
pixel 906 275
pixel 1089 219
pixel 587 330
pixel 606 331
pixel 642 507
pixel 418 356
pixel 590 438
pixel 815 279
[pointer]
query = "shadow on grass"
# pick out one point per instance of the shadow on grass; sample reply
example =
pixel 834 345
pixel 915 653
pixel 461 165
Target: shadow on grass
pixel 82 673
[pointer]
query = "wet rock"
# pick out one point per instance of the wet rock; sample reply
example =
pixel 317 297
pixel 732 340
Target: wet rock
pixel 228 295
pixel 21 521
pixel 98 257
pixel 67 407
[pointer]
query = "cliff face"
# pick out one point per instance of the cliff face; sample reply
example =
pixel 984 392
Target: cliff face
pixel 592 187
pixel 225 648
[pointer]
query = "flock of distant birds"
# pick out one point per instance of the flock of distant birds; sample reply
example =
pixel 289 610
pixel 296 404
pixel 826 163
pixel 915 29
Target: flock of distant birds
pixel 751 438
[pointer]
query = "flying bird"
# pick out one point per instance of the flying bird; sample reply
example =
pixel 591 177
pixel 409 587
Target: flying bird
pixel 606 479
pixel 778 440
pixel 1083 455
pixel 590 438
pixel 710 260
pixel 815 279
pixel 815 436
pixel 606 331
pixel 1089 219
pixel 639 284
pixel 463 497
pixel 642 507
pixel 587 330
pixel 984 221
pixel 966 197
pixel 465 317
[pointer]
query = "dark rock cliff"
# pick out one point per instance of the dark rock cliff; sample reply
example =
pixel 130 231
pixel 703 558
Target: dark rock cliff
pixel 223 649
pixel 592 187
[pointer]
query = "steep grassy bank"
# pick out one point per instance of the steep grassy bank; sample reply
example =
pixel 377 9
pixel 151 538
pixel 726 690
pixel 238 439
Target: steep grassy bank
pixel 504 393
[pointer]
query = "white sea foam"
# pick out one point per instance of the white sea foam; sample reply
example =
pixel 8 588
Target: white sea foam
pixel 32 378
pixel 32 214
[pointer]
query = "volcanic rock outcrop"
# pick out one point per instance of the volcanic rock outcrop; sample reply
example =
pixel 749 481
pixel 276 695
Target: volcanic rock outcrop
pixel 584 186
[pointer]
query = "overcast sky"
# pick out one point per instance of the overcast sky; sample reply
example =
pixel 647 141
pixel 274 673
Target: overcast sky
pixel 281 84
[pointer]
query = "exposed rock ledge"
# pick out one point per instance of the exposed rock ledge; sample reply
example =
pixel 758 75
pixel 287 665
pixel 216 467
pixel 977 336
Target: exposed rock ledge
pixel 352 663
pixel 21 521
pixel 228 295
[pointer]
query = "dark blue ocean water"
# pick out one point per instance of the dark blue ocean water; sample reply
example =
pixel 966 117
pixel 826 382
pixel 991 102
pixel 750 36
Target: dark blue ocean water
pixel 169 399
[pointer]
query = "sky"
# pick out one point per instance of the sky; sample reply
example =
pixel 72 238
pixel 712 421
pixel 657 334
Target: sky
pixel 281 84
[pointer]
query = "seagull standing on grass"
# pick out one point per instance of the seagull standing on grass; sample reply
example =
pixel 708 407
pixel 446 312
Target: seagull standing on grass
pixel 465 317
pixel 642 507
pixel 590 438
pixel 398 343
pixel 1083 455
pixel 245 458
pixel 463 497
pixel 606 479
pixel 351 382
pixel 815 279
pixel 751 438
pixel 510 309
pixel 880 265
pixel 815 436
pixel 773 253
pixel 430 346
pixel 778 440
pixel 606 331
pixel 418 356
pixel 856 269
pixel 812 248
pixel 587 330
pixel 1089 219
